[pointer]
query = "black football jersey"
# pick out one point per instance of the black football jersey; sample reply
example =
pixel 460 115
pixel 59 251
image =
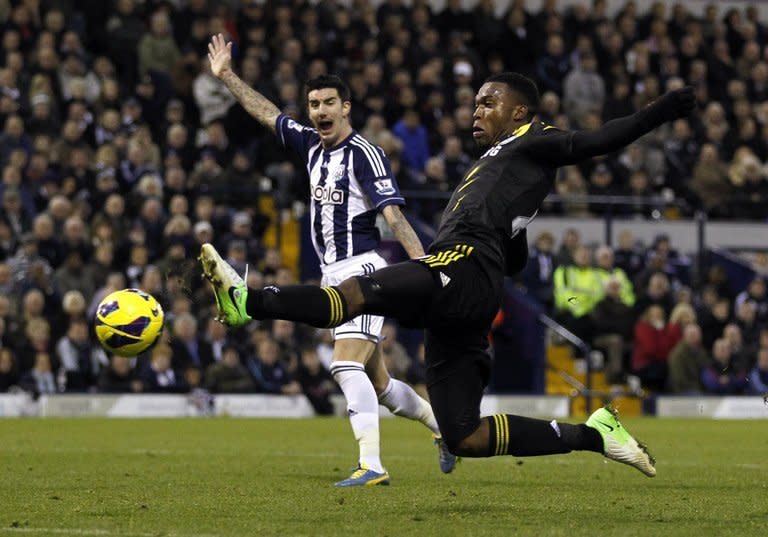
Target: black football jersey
pixel 499 195
pixel 502 192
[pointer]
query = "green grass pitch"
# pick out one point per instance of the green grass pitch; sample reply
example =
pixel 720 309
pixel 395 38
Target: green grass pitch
pixel 240 477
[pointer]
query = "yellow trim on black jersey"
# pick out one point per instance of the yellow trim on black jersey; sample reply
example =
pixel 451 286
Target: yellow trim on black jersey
pixel 446 257
pixel 468 179
pixel 465 185
pixel 522 129
pixel 458 202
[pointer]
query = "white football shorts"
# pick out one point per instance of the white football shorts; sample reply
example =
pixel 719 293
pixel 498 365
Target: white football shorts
pixel 365 326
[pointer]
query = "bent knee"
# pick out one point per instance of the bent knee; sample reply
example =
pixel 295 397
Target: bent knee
pixel 353 296
pixel 379 386
pixel 473 445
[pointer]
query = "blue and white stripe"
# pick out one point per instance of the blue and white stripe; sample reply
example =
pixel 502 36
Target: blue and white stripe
pixel 374 158
pixel 349 184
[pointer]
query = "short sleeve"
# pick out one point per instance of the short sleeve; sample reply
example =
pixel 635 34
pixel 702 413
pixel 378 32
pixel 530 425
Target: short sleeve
pixel 374 173
pixel 295 136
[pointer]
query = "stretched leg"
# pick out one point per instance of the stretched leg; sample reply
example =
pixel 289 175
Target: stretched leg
pixel 457 373
pixel 399 291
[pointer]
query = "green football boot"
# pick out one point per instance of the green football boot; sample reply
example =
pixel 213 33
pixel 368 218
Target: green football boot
pixel 228 287
pixel 618 444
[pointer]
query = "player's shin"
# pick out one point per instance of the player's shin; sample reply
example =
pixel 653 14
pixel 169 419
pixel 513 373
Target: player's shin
pixel 322 307
pixel 525 437
pixel 363 410
pixel 402 400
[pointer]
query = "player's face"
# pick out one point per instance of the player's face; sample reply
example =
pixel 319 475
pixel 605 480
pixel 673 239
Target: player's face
pixel 498 113
pixel 329 115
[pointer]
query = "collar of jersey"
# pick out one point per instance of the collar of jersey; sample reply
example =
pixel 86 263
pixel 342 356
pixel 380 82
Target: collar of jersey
pixel 341 144
pixel 518 132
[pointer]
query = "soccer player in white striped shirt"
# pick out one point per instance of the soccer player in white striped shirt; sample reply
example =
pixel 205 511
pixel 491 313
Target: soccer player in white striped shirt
pixel 350 183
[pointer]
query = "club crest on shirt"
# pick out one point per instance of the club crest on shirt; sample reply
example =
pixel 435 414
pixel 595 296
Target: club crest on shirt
pixel 338 173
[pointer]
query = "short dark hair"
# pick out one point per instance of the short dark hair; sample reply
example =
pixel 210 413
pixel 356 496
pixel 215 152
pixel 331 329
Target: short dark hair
pixel 523 86
pixel 230 347
pixel 329 81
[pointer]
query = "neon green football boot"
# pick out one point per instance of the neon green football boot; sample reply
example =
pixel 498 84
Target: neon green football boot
pixel 618 444
pixel 228 287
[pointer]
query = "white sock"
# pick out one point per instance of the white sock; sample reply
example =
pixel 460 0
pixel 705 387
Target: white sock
pixel 402 400
pixel 363 410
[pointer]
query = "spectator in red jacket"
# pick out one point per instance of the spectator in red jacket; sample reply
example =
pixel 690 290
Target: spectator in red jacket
pixel 654 339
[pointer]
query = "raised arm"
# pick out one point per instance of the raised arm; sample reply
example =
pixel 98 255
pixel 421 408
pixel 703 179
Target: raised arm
pixel 571 147
pixel 261 108
pixel 403 231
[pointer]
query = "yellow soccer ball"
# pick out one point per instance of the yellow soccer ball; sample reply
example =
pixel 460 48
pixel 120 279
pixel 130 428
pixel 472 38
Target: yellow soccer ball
pixel 129 322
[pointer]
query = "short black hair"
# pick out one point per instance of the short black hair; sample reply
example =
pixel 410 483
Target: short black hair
pixel 230 347
pixel 523 86
pixel 329 81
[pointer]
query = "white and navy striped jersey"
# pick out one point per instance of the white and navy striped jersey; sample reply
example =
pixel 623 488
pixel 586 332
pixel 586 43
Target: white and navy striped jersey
pixel 348 185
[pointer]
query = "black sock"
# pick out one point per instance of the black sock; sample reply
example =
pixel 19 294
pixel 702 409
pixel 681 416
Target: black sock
pixel 525 437
pixel 581 438
pixel 323 307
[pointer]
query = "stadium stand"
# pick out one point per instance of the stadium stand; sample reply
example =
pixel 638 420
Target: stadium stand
pixel 120 154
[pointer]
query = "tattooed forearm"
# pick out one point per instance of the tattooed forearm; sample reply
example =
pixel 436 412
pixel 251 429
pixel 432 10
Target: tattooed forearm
pixel 403 231
pixel 254 102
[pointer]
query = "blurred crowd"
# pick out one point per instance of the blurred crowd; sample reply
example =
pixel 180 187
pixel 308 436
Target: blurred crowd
pixel 638 305
pixel 120 153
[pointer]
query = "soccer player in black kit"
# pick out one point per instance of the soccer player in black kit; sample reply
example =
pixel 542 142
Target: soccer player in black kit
pixel 455 290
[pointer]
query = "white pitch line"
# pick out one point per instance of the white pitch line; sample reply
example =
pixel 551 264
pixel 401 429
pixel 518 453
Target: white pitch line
pixel 182 452
pixel 97 532
pixel 74 531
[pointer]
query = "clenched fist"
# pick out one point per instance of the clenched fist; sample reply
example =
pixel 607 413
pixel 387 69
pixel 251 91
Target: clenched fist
pixel 673 105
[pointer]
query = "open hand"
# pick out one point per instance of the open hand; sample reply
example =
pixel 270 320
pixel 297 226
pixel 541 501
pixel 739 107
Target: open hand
pixel 220 55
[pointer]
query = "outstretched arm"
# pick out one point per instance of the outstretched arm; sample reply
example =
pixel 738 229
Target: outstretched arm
pixel 403 231
pixel 261 108
pixel 571 147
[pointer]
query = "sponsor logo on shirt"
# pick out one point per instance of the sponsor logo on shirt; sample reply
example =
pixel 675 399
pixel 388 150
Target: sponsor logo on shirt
pixel 325 195
pixel 384 187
